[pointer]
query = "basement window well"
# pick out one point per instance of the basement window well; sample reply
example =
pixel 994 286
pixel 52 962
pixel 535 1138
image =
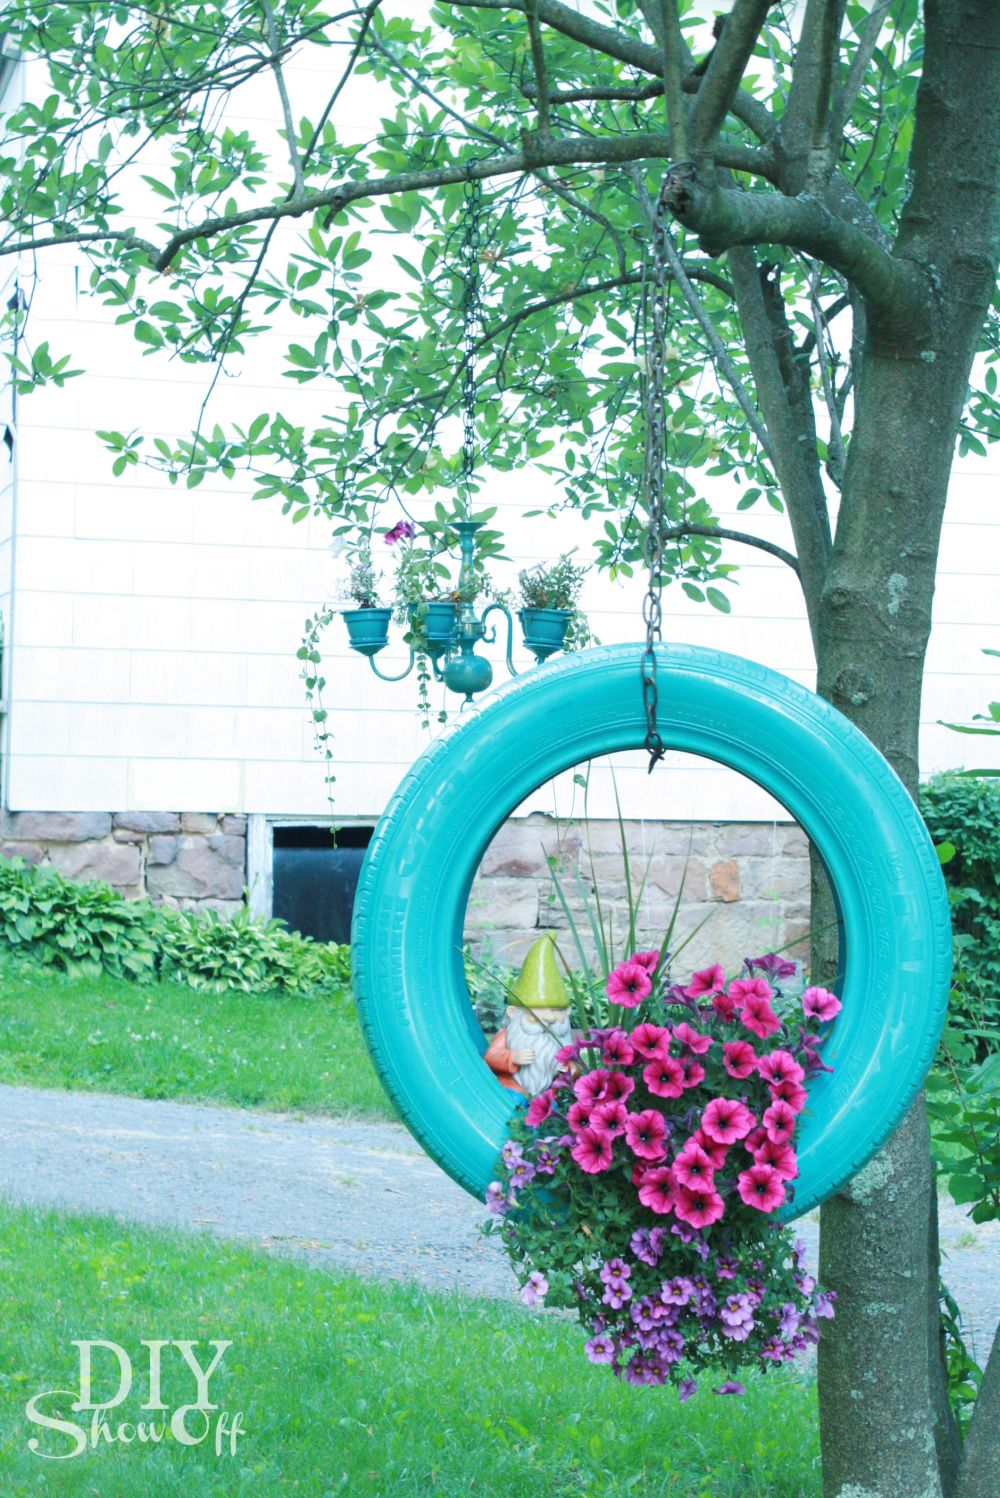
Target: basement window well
pixel 314 883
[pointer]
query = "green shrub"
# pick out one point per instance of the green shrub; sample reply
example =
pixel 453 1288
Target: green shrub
pixel 91 929
pixel 963 813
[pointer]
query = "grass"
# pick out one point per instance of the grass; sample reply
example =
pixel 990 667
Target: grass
pixel 165 1040
pixel 356 1387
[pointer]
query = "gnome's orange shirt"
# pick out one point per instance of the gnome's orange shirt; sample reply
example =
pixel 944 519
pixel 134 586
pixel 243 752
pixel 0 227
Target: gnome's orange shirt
pixel 498 1059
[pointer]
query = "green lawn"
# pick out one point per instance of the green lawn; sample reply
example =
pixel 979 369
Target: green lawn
pixel 167 1040
pixel 349 1386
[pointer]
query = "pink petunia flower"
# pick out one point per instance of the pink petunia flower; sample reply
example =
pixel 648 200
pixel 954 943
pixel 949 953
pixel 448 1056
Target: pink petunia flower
pixel 628 985
pixel 821 1004
pixel 758 1016
pixel 762 1187
pixel 781 1157
pixel 709 980
pixel 792 1093
pixel 592 1087
pixel 620 1087
pixel 779 1121
pixel 645 1132
pixel 724 1006
pixel 755 1139
pixel 617 1050
pixel 739 1058
pixel 693 1166
pixel 715 1151
pixel 656 1190
pixel 568 1053
pixel 579 1116
pixel 698 1206
pixel 610 1118
pixel 593 1151
pixel 693 1072
pixel 649 960
pixel 664 1077
pixel 693 1039
pixel 539 1108
pixel 742 989
pixel 780 1066
pixel 725 1120
pixel 650 1041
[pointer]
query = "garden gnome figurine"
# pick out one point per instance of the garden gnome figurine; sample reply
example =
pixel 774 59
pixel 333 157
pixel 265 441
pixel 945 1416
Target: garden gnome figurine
pixel 523 1054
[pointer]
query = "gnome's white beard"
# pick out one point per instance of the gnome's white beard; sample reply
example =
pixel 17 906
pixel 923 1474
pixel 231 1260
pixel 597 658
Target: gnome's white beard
pixel 525 1033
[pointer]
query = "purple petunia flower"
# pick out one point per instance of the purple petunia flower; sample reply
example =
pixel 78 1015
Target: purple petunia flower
pixel 600 1349
pixel 730 1387
pixel 686 1388
pixel 535 1289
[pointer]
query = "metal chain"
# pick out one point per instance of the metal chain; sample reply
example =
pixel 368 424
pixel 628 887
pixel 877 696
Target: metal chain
pixel 472 312
pixel 655 314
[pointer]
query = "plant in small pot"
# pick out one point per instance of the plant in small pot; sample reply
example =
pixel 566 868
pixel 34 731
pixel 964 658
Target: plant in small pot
pixel 368 619
pixel 549 615
pixel 424 604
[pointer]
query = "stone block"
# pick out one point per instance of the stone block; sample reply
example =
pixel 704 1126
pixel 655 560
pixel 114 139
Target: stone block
pixel 163 849
pixel 229 849
pixel 748 839
pixel 775 878
pixel 115 863
pixel 511 903
pixel 224 908
pixel 123 835
pixel 56 826
pixel 148 821
pixel 199 821
pixel 793 841
pixel 199 871
pixel 520 849
pixel 724 880
pixel 235 826
pixel 30 852
pixel 667 872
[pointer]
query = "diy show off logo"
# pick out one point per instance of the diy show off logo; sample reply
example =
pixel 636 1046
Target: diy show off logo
pixel 199 1422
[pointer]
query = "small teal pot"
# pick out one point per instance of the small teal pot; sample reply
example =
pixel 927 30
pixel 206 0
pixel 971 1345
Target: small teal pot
pixel 544 630
pixel 436 623
pixel 367 629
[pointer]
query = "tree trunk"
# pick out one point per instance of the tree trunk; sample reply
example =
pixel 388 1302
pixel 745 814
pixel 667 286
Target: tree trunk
pixel 885 1429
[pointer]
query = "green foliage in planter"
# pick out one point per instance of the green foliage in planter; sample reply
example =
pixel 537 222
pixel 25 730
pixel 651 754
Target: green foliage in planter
pixel 963 813
pixel 89 929
pixel 79 928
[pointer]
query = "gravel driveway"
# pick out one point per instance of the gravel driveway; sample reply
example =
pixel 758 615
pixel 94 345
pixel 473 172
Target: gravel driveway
pixel 362 1196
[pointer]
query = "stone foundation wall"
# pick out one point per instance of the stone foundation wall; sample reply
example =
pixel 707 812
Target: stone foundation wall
pixel 748 882
pixel 191 860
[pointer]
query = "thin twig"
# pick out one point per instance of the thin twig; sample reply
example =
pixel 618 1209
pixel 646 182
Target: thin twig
pixel 541 74
pixel 286 107
pixel 722 533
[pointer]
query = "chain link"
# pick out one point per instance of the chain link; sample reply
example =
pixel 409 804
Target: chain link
pixel 656 310
pixel 472 313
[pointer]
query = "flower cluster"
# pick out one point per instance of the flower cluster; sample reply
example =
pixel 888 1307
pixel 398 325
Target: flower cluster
pixel 640 1188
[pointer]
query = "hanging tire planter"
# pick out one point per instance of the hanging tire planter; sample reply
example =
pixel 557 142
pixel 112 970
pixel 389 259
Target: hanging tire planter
pixel 895 928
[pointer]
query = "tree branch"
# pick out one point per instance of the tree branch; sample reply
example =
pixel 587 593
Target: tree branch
pixel 724 217
pixel 541 75
pixel 722 533
pixel 867 41
pixel 723 363
pixel 803 137
pixel 637 53
pixel 725 70
pixel 672 50
pixel 785 400
pixel 286 107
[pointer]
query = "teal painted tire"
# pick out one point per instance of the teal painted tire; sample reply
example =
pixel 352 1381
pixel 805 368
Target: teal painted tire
pixel 895 938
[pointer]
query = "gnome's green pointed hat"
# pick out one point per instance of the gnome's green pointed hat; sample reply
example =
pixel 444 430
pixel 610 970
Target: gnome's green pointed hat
pixel 539 983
